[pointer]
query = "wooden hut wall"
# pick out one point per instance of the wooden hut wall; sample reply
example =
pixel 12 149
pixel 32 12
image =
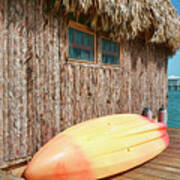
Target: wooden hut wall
pixel 41 93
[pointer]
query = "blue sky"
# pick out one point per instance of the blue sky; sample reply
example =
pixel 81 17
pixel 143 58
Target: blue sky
pixel 174 63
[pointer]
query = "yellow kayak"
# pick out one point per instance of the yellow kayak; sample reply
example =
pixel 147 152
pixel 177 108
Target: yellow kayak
pixel 99 148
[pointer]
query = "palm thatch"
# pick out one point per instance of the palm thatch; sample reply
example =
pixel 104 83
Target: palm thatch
pixel 155 20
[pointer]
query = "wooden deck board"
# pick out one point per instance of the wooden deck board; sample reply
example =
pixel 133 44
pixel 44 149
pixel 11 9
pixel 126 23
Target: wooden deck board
pixel 166 166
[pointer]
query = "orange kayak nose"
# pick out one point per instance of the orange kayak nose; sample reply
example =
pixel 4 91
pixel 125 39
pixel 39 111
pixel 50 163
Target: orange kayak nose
pixel 63 161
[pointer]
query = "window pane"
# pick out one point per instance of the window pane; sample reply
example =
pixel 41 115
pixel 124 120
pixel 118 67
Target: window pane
pixel 70 32
pixel 110 52
pixel 102 44
pixel 81 45
pixel 78 37
pixel 114 49
pixel 86 40
pixel 108 46
pixel 85 54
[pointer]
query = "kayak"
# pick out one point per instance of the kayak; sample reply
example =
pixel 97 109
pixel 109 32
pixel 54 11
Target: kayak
pixel 99 148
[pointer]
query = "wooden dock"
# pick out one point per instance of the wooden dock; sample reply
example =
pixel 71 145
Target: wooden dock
pixel 174 84
pixel 166 166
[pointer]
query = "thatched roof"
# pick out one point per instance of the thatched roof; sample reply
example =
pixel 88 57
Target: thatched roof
pixel 156 20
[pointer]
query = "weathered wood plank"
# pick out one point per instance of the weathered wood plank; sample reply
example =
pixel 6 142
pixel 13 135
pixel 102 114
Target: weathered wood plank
pixel 22 55
pixel 142 176
pixel 77 93
pixel 5 77
pixel 55 87
pixel 39 81
pixel 13 115
pixel 28 128
pixel 159 173
pixel 1 81
pixel 166 162
pixel 47 119
pixel 42 74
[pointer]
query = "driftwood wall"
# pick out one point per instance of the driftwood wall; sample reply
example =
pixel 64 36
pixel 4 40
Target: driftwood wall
pixel 41 93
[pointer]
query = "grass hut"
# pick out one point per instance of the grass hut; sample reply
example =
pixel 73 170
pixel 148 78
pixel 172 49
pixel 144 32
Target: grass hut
pixel 63 62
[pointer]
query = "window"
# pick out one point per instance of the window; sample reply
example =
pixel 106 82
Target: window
pixel 110 52
pixel 80 44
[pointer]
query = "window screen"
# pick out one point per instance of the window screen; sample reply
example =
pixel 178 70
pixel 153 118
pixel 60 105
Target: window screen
pixel 110 52
pixel 81 45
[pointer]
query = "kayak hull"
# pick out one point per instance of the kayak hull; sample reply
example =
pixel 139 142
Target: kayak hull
pixel 99 148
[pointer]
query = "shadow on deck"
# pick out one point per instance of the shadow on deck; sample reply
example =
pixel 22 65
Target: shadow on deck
pixel 166 166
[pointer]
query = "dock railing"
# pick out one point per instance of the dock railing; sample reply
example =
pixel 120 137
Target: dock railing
pixel 174 83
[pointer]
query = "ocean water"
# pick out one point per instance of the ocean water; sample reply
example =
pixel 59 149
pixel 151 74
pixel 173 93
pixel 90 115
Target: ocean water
pixel 174 109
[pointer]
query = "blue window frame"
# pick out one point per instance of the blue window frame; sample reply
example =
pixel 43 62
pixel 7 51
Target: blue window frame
pixel 110 52
pixel 80 45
